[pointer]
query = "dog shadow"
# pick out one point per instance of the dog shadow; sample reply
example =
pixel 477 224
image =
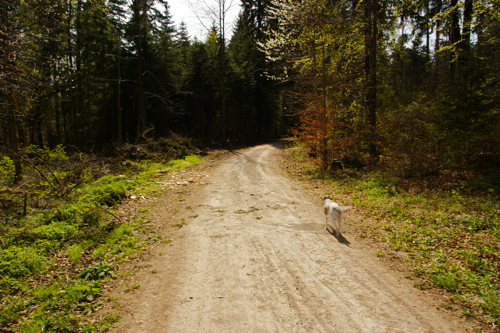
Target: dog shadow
pixel 341 239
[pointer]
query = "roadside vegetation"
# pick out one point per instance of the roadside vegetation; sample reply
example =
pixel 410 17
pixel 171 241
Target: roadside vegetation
pixel 448 225
pixel 62 237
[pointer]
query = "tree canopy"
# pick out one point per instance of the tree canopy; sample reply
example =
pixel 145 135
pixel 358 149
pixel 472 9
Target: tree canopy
pixel 416 81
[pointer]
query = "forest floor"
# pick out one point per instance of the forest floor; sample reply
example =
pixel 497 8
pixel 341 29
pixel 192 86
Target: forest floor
pixel 244 249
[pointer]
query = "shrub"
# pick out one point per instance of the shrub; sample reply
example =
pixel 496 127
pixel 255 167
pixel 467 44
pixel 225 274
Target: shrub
pixel 67 214
pixel 17 262
pixel 92 217
pixel 46 292
pixel 55 231
pixel 47 246
pixel 75 253
pixel 111 194
pixel 123 230
pixel 100 251
pixel 98 271
pixel 108 190
pixel 6 171
pixel 54 155
pixel 83 291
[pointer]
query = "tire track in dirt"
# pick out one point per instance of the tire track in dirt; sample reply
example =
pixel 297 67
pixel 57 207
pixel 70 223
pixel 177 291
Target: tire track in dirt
pixel 257 259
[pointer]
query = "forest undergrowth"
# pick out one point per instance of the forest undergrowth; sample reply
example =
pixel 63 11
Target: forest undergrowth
pixel 448 226
pixel 61 236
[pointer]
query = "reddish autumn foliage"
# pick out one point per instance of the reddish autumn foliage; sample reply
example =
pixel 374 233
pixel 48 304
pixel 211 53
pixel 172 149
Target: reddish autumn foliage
pixel 332 136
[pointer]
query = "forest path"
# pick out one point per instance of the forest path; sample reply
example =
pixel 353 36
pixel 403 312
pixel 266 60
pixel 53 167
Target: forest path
pixel 258 259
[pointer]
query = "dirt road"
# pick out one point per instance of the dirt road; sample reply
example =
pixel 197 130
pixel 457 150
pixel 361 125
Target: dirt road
pixel 258 259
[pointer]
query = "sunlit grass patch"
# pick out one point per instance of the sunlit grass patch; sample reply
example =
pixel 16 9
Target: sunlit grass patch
pixel 446 279
pixel 187 162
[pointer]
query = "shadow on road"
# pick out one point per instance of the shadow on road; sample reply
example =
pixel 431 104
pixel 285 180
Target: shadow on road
pixel 341 239
pixel 282 143
pixel 234 152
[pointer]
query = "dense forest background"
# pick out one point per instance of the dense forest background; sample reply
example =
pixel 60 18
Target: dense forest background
pixel 96 74
pixel 415 83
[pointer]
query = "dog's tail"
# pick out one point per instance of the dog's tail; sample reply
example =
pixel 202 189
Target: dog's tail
pixel 344 208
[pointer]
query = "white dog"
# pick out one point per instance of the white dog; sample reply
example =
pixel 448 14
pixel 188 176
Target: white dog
pixel 333 210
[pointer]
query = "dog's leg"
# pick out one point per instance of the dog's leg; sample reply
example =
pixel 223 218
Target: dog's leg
pixel 326 221
pixel 336 219
pixel 339 216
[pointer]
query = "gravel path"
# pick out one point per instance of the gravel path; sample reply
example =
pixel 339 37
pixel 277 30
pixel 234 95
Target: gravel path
pixel 258 259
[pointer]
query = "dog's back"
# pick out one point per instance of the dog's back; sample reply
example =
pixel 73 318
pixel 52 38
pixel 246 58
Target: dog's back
pixel 333 210
pixel 330 206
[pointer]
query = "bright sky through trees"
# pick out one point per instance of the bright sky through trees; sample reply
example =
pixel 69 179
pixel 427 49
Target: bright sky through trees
pixel 181 11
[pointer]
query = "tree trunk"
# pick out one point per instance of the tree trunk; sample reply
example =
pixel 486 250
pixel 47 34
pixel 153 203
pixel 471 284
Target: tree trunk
pixel 202 112
pixel 39 133
pixel 14 144
pixel 79 113
pixel 427 32
pixel 118 98
pixel 438 36
pixel 371 13
pixel 141 112
pixel 65 124
pixel 51 140
pixel 49 130
pixel 466 32
pixel 8 88
pixel 454 37
pixel 56 110
pixel 70 137
pixel 222 27
pixel 437 45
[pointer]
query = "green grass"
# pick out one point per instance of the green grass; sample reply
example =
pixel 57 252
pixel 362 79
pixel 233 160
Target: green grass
pixel 74 253
pixel 187 162
pixel 55 259
pixel 452 237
